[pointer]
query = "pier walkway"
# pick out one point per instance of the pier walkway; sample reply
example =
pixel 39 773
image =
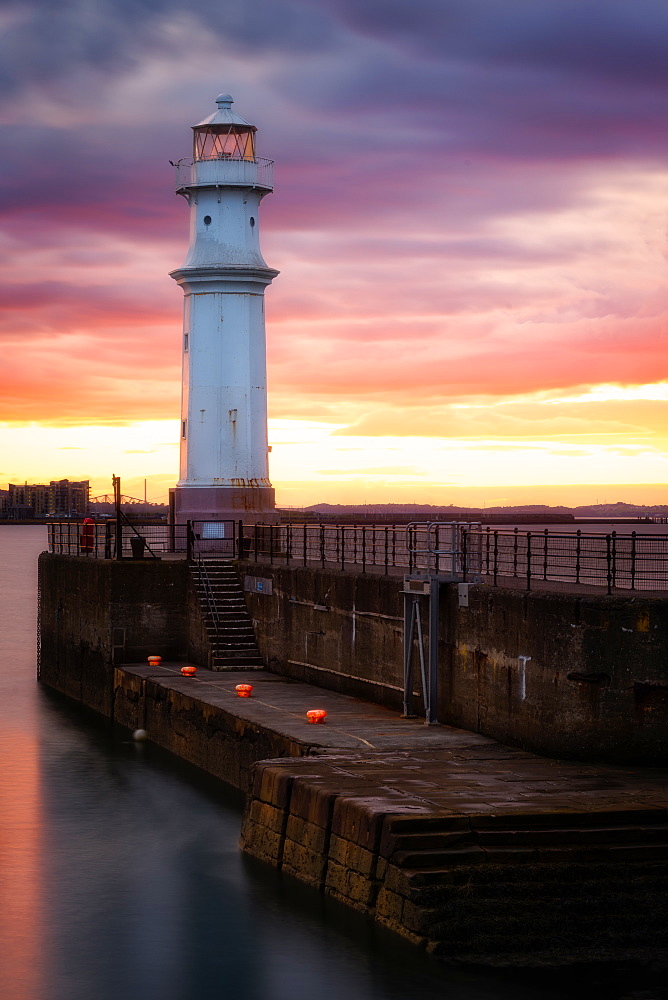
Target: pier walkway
pixel 480 852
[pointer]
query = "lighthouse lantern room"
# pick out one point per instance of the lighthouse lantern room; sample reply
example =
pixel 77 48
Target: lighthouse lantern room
pixel 224 462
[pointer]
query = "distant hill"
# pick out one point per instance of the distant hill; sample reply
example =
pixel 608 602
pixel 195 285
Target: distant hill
pixel 524 513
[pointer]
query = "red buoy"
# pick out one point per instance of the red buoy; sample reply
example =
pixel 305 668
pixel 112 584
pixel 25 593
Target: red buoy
pixel 316 715
pixel 244 690
pixel 188 671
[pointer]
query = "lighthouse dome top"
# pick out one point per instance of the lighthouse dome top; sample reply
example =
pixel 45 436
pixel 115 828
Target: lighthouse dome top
pixel 225 117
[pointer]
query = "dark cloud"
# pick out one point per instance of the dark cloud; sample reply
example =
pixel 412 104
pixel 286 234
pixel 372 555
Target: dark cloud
pixel 46 40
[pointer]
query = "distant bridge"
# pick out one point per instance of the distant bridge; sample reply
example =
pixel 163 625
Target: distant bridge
pixel 109 498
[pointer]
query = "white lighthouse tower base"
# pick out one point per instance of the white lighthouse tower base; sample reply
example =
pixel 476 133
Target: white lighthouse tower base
pixel 221 503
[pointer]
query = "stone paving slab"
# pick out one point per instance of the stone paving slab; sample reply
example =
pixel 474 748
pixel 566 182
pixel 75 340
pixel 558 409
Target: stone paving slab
pixel 442 768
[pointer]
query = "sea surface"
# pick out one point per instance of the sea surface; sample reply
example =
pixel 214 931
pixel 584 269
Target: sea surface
pixel 121 878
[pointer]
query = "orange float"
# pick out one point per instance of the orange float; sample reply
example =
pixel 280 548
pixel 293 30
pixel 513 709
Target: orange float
pixel 316 715
pixel 244 690
pixel 155 661
pixel 188 671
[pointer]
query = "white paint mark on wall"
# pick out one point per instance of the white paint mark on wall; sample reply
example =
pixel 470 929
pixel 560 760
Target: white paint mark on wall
pixel 523 676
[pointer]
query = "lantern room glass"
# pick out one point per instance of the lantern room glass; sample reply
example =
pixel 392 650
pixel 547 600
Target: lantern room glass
pixel 224 142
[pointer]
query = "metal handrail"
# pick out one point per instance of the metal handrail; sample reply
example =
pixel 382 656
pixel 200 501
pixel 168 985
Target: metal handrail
pixel 251 171
pixel 210 596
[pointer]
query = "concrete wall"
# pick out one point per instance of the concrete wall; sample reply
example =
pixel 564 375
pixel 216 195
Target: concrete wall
pixel 596 683
pixel 93 612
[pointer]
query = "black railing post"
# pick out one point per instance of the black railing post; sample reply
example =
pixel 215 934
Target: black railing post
pixel 255 540
pixel 364 548
pixel 608 552
pixel 240 540
pixel 496 556
pixel 305 543
pixel 116 483
pixel 487 551
pixel 465 565
pixel 322 545
pixel 343 548
pixel 288 543
pixel 394 545
pixel 578 552
pixel 515 552
pixel 189 541
pixel 545 544
pixel 528 560
pixel 633 560
pixel 613 564
pixel 271 543
pixel 387 550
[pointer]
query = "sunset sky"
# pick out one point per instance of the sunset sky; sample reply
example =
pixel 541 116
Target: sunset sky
pixel 470 220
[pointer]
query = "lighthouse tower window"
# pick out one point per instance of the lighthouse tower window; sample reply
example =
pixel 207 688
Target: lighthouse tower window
pixel 252 221
pixel 207 220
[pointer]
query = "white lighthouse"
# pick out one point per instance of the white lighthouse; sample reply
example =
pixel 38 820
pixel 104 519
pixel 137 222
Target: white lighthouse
pixel 224 464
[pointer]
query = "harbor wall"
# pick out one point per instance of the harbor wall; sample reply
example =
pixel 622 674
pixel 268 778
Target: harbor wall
pixel 565 675
pixel 560 674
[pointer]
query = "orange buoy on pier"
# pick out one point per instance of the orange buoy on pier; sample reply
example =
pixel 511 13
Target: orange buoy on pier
pixel 244 690
pixel 316 715
pixel 188 671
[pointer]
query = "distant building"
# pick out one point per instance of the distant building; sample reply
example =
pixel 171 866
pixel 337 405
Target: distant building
pixel 59 497
pixel 68 498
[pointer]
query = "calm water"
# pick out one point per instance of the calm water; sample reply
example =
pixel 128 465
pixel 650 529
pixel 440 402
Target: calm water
pixel 120 876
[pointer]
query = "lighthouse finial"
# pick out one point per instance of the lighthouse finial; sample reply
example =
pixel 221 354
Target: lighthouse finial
pixel 224 101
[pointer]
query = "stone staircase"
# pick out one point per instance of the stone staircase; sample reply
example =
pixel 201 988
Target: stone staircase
pixel 227 622
pixel 520 888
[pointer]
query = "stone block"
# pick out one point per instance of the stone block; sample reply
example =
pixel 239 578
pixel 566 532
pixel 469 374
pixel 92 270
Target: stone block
pixel 267 815
pixel 272 782
pixel 352 856
pixel 308 834
pixel 261 842
pixel 312 798
pixel 304 864
pixel 389 905
pixel 350 885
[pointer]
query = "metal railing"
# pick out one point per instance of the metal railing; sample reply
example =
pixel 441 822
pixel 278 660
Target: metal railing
pixel 99 540
pixel 216 170
pixel 614 561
